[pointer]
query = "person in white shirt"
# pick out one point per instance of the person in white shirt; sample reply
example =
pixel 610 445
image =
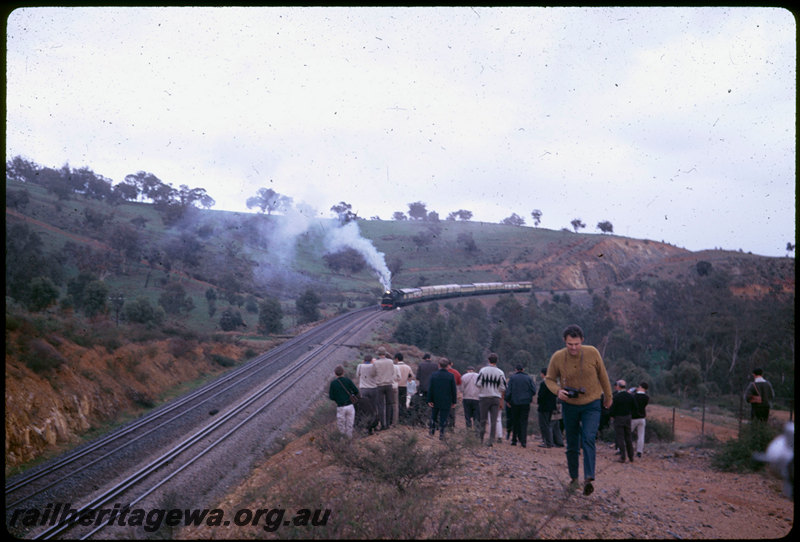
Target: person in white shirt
pixel 470 393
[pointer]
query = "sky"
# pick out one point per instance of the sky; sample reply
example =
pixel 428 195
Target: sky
pixel 674 124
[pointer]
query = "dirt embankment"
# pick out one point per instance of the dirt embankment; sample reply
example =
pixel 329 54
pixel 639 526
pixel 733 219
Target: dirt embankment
pixel 506 491
pixel 51 410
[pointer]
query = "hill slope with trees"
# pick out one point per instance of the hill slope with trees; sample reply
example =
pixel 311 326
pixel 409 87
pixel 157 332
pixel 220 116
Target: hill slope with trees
pixel 95 266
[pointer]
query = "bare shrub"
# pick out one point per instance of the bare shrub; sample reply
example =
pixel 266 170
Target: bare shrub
pixel 43 357
pixel 398 459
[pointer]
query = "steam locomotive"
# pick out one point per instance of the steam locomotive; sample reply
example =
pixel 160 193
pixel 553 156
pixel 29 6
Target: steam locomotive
pixel 398 297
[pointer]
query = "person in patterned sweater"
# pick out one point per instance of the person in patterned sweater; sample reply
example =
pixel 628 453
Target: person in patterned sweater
pixel 492 384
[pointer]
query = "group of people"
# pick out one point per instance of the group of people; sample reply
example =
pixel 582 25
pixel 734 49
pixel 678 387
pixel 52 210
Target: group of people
pixel 574 390
pixel 383 382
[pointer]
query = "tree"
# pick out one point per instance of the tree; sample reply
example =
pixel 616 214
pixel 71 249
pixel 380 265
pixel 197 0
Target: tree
pixel 395 265
pixel 231 320
pixel 537 217
pixel 307 307
pixel 576 224
pixel 399 215
pixel 145 183
pixel 270 316
pixel 417 211
pixel 174 299
pixel 344 211
pixel 513 220
pixel 267 200
pixel 703 268
pixel 141 311
pixel 117 300
pixel 124 191
pixel 19 169
pixel 25 259
pixel 95 297
pixel 211 298
pixel 126 240
pixel 42 293
pixel 468 242
pixel 348 259
pixel 605 227
pixel 789 247
pixel 461 214
pixel 423 238
pixel 17 199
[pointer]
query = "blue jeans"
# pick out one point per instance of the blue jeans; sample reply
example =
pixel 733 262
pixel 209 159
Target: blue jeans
pixel 580 425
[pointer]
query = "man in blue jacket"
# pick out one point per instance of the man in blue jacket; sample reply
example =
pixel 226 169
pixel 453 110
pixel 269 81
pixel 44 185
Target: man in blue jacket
pixel 519 394
pixel 442 396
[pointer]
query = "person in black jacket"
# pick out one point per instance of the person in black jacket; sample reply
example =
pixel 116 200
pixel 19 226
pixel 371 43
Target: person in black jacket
pixel 344 393
pixel 519 394
pixel 546 405
pixel 638 422
pixel 621 410
pixel 442 396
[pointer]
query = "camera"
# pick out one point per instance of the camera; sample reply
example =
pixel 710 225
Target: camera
pixel 572 393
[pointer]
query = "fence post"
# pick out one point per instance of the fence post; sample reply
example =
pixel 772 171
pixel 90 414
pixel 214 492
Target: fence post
pixel 703 420
pixel 673 422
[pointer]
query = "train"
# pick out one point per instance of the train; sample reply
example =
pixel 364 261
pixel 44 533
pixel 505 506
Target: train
pixel 399 297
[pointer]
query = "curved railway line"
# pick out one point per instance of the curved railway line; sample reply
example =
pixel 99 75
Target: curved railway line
pixel 189 449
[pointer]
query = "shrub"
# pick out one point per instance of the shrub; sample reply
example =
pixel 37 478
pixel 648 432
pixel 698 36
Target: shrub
pixel 181 348
pixel 736 455
pixel 42 357
pixel 223 361
pixel 658 431
pixel 397 460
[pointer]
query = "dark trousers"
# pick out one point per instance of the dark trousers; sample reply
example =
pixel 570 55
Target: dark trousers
pixel 439 417
pixel 622 433
pixel 558 438
pixel 759 412
pixel 546 428
pixel 385 405
pixel 519 423
pixel 472 412
pixel 402 409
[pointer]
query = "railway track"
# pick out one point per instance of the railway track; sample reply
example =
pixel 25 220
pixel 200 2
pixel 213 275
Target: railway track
pixel 189 449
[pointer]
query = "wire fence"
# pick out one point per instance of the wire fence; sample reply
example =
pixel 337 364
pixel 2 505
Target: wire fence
pixel 710 418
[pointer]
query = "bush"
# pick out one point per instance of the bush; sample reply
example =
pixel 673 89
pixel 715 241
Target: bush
pixel 736 455
pixel 223 361
pixel 658 431
pixel 397 460
pixel 42 357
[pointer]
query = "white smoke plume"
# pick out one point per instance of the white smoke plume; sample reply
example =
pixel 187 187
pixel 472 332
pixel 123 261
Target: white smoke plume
pixel 350 236
pixel 296 221
pixel 301 219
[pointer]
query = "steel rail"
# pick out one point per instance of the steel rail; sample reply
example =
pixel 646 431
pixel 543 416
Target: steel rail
pixel 294 371
pixel 255 365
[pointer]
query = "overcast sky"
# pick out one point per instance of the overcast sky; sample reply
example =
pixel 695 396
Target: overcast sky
pixel 673 124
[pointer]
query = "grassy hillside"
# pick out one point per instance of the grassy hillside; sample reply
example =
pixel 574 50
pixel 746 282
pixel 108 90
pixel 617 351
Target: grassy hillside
pixel 137 250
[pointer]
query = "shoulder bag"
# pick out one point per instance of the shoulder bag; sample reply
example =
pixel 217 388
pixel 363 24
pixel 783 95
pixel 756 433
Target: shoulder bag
pixel 353 398
pixel 755 399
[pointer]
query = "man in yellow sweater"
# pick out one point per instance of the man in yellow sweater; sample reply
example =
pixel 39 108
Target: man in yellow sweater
pixel 578 376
